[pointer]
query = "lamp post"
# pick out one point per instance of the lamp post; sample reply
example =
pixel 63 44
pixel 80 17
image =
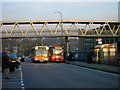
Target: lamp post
pixel 66 38
pixel 60 22
pixel 43 41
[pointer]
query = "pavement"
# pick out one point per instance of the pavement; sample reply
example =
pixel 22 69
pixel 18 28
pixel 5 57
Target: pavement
pixel 0 78
pixel 102 67
pixel 13 83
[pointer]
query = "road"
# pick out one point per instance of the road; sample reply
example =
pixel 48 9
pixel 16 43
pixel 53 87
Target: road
pixel 61 75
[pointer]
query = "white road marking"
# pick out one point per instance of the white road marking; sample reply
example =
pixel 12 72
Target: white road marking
pixel 21 75
pixel 23 88
pixel 94 70
pixel 101 71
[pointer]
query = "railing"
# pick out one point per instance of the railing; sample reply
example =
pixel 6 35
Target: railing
pixel 72 28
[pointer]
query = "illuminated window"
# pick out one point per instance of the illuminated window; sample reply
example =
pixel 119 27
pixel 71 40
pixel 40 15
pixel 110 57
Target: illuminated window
pixel 105 51
pixel 112 52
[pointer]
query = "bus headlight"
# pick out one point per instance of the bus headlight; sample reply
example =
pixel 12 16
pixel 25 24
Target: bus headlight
pixel 46 59
pixel 36 58
pixel 57 56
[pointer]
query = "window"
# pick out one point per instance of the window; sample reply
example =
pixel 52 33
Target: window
pixel 112 52
pixel 105 51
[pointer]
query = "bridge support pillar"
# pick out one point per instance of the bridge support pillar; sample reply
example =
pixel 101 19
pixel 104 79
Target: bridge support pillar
pixel 67 48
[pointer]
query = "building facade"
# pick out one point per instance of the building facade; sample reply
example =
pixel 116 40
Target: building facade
pixel 90 43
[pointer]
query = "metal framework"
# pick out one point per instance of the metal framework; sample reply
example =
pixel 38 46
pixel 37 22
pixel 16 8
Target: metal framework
pixel 72 28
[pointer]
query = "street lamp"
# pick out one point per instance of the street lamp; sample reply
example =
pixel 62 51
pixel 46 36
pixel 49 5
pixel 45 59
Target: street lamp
pixel 61 22
pixel 43 41
pixel 67 43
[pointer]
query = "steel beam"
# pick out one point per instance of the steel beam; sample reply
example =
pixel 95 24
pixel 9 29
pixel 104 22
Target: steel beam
pixel 72 28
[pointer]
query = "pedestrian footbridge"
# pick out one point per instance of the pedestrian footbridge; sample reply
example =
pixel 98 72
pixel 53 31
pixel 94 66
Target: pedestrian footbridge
pixel 57 28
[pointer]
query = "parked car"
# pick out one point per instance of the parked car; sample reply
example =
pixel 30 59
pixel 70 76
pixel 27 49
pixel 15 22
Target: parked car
pixel 80 57
pixel 14 62
pixel 70 56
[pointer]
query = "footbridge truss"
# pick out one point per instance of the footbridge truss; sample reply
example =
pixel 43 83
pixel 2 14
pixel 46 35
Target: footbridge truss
pixel 72 28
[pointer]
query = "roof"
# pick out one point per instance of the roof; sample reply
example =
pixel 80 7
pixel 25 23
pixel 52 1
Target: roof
pixel 105 46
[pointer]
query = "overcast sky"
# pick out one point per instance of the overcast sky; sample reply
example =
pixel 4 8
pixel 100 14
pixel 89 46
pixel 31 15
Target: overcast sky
pixel 70 9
